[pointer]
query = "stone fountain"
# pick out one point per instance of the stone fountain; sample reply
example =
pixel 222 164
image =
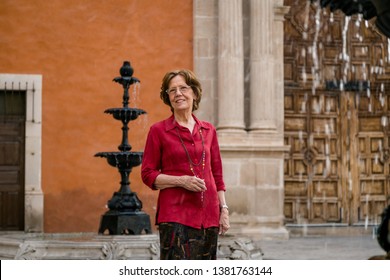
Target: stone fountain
pixel 124 215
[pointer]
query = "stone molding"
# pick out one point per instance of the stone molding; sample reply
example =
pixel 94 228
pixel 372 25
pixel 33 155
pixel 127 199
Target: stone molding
pixel 100 247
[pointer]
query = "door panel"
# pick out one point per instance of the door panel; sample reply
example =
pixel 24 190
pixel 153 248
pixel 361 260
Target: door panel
pixel 12 135
pixel 336 117
pixel 373 143
pixel 312 181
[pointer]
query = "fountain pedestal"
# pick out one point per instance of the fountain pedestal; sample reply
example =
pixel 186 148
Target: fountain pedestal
pixel 117 222
pixel 125 215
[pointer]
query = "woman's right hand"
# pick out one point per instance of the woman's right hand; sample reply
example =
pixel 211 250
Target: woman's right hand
pixel 192 183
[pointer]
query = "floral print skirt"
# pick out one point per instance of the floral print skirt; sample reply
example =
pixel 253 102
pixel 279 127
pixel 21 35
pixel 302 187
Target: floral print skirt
pixel 180 242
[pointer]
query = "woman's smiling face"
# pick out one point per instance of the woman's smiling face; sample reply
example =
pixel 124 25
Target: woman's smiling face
pixel 180 94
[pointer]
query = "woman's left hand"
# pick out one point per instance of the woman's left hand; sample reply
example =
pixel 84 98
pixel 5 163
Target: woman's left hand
pixel 224 221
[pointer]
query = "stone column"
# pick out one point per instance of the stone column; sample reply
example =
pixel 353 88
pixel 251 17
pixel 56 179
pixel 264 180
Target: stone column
pixel 230 67
pixel 262 105
pixel 254 168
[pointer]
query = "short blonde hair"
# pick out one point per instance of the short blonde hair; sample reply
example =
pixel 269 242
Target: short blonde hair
pixel 190 79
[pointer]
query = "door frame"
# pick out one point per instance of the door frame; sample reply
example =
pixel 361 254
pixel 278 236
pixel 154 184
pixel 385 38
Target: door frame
pixel 33 195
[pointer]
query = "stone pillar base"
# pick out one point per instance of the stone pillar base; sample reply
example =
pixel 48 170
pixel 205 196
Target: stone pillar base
pixel 260 232
pixel 33 211
pixel 258 228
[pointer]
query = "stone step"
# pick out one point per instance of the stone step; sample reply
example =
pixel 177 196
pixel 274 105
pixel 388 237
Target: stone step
pixel 297 230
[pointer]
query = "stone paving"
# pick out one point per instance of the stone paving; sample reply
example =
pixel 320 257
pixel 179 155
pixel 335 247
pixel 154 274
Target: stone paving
pixel 328 243
pixel 321 248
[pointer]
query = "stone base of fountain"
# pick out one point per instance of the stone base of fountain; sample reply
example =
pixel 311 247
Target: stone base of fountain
pixel 78 246
pixel 90 246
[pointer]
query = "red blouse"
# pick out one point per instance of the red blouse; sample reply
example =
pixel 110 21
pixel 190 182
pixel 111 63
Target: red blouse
pixel 165 154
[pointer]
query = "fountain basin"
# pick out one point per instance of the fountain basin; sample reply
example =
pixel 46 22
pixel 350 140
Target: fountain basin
pixel 122 160
pixel 125 114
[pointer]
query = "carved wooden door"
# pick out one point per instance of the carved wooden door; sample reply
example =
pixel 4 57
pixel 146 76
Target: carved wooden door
pixel 12 134
pixel 336 117
pixel 372 145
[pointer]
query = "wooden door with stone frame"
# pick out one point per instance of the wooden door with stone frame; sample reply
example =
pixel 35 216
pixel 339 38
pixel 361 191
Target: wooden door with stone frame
pixel 12 149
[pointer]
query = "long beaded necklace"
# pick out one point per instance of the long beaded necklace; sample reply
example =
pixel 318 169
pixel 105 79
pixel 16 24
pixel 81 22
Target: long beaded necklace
pixel 201 161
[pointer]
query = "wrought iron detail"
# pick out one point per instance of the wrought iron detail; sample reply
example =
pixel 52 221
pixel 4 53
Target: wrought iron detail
pixel 125 215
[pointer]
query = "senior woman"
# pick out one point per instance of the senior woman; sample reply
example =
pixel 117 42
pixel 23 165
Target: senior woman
pixel 182 160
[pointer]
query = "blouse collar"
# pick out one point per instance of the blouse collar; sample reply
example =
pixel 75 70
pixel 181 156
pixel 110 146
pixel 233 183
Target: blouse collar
pixel 171 123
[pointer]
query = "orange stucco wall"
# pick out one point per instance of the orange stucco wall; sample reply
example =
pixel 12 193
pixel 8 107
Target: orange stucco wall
pixel 78 48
